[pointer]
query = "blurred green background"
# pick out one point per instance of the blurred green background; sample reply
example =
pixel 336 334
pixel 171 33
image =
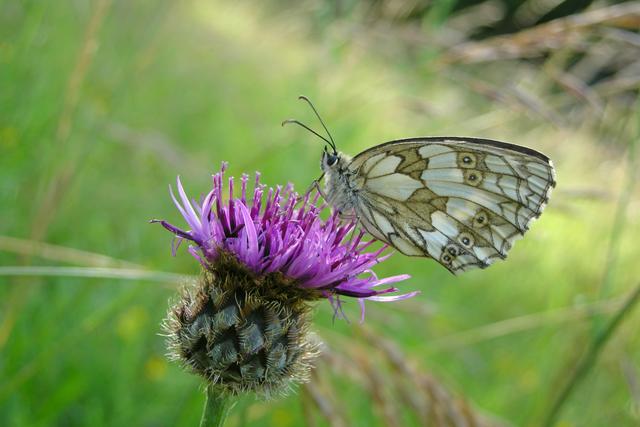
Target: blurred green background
pixel 103 103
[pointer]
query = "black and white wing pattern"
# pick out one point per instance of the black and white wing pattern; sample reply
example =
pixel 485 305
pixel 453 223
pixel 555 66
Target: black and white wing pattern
pixel 460 201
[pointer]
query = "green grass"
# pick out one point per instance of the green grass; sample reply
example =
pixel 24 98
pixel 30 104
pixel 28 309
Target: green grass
pixel 175 88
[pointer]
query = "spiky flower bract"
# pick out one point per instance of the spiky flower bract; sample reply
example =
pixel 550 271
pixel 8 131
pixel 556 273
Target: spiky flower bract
pixel 265 257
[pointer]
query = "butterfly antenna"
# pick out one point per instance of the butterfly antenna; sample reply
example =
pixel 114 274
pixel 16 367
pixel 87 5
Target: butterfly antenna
pixel 332 143
pixel 309 129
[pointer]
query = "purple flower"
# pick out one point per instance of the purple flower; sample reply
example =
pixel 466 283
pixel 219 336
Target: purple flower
pixel 273 231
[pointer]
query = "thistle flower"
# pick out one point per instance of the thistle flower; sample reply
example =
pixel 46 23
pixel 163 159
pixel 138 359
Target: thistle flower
pixel 265 256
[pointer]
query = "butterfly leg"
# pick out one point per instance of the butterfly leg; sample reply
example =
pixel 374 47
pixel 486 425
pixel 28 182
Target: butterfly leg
pixel 315 185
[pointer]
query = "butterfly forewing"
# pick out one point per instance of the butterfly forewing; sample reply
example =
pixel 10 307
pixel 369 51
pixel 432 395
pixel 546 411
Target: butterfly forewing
pixel 460 201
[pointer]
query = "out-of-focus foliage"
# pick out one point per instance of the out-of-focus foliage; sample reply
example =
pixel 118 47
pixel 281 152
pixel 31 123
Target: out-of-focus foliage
pixel 103 103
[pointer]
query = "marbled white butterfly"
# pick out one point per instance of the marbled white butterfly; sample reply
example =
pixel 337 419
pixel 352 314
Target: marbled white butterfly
pixel 461 201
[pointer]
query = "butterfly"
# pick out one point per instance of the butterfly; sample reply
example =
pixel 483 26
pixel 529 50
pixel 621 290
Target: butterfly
pixel 461 201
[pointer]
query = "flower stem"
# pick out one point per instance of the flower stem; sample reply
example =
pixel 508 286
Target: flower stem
pixel 216 408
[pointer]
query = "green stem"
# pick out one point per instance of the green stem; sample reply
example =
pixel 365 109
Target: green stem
pixel 216 408
pixel 584 366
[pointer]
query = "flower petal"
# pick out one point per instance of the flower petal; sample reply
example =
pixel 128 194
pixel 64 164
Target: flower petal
pixel 272 232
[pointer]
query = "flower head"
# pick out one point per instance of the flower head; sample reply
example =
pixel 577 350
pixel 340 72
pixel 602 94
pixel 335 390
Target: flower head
pixel 244 324
pixel 273 235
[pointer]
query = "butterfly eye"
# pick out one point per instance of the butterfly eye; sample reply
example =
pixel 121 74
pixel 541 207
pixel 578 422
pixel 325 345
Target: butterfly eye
pixel 331 159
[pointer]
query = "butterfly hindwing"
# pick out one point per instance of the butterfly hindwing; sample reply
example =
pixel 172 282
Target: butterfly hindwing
pixel 461 201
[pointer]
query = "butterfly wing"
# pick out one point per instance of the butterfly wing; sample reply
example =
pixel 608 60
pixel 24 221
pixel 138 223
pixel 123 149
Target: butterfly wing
pixel 460 201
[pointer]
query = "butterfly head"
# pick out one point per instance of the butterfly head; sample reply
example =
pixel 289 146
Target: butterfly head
pixel 330 160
